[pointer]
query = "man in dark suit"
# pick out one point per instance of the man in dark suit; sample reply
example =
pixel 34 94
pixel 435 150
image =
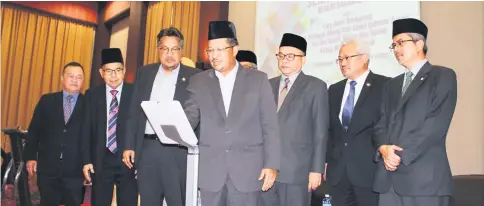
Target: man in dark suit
pixel 161 168
pixel 103 138
pixel 355 109
pixel 303 124
pixel 53 141
pixel 239 135
pixel 247 59
pixel 416 111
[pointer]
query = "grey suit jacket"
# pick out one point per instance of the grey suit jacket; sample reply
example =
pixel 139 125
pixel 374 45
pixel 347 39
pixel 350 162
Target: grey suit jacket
pixel 145 77
pixel 417 122
pixel 240 145
pixel 303 122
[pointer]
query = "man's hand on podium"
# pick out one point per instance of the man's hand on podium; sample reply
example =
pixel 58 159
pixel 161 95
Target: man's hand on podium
pixel 32 167
pixel 87 170
pixel 128 158
pixel 269 176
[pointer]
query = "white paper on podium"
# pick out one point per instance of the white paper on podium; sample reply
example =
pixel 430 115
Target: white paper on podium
pixel 174 127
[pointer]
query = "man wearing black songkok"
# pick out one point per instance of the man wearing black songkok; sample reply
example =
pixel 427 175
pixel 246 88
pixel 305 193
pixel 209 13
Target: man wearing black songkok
pixel 302 102
pixel 103 134
pixel 239 135
pixel 416 111
pixel 247 59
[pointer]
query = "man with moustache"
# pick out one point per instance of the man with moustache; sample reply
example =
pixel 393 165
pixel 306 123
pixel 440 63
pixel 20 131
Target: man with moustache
pixel 302 102
pixel 103 134
pixel 239 135
pixel 52 149
pixel 247 59
pixel 416 111
pixel 161 168
pixel 355 109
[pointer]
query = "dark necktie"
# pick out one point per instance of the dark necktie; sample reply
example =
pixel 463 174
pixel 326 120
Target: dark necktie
pixel 349 106
pixel 113 116
pixel 68 108
pixel 408 81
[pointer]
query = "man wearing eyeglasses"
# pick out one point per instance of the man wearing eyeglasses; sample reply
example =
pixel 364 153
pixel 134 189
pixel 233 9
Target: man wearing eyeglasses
pixel 239 140
pixel 302 104
pixel 103 134
pixel 416 111
pixel 354 110
pixel 161 169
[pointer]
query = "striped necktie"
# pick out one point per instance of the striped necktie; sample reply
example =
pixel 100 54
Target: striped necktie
pixel 113 116
pixel 68 108
pixel 283 93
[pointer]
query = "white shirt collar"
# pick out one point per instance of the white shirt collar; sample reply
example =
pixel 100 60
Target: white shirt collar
pixel 174 72
pixel 292 78
pixel 416 68
pixel 119 88
pixel 231 73
pixel 361 79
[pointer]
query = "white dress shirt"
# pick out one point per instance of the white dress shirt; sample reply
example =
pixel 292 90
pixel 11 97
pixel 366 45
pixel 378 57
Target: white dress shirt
pixel 163 90
pixel 292 78
pixel 227 85
pixel 360 82
pixel 109 99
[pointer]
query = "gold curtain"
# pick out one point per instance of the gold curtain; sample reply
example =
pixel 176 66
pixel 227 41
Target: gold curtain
pixel 35 48
pixel 184 15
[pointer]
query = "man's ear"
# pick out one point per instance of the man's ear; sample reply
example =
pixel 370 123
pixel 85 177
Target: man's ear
pixel 101 72
pixel 236 50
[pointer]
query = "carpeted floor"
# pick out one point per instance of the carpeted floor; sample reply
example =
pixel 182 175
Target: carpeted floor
pixel 7 194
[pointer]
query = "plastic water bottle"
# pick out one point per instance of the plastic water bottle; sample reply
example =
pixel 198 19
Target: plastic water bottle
pixel 327 200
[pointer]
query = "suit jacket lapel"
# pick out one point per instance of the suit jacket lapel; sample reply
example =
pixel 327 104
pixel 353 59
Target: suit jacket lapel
pixel 124 103
pixel 294 91
pixel 59 105
pixel 101 105
pixel 181 83
pixel 416 82
pixel 275 87
pixel 340 89
pixel 216 92
pixel 365 91
pixel 238 98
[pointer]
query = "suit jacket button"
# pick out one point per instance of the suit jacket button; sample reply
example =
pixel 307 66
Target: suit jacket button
pixel 228 131
pixel 65 130
pixel 346 144
pixel 227 151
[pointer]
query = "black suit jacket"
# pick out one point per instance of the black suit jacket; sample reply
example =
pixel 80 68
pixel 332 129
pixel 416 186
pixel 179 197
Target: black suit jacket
pixel 145 77
pixel 95 123
pixel 48 136
pixel 417 122
pixel 351 152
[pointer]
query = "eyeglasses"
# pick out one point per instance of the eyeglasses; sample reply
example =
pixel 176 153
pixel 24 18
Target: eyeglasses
pixel 340 59
pixel 399 43
pixel 212 51
pixel 165 50
pixel 289 57
pixel 110 71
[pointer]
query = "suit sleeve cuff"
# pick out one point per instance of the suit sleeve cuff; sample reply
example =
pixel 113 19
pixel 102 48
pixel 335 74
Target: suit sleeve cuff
pixel 377 157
